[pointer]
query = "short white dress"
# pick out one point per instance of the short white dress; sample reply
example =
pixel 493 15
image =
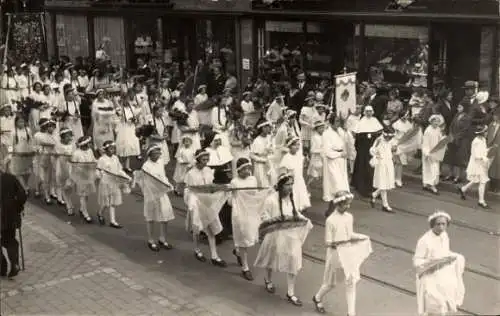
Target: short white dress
pixel 157 207
pixel 477 168
pixel 384 174
pixel 112 181
pixel 21 162
pixel 295 163
pixel 281 249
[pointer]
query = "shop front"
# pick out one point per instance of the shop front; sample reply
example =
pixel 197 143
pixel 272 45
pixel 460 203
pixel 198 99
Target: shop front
pixel 109 35
pixel 72 35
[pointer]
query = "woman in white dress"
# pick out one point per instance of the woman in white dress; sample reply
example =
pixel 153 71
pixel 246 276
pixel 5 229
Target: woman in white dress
pixel 293 161
pixel 157 207
pixel 440 287
pixel 335 176
pixel 345 252
pixel 191 126
pixel 70 106
pixel 283 231
pixel 127 143
pixel 103 120
pixel 308 115
pixel 478 166
pixel 383 164
pixel 21 163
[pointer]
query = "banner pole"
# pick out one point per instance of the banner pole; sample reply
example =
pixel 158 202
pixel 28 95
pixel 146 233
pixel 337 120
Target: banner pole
pixel 7 36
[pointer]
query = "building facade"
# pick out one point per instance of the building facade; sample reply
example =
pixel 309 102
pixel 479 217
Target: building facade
pixel 383 40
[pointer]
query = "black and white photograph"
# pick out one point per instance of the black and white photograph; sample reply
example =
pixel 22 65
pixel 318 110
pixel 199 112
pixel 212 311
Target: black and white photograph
pixel 250 157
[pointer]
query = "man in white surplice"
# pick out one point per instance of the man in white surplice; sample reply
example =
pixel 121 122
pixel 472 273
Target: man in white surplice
pixel 440 287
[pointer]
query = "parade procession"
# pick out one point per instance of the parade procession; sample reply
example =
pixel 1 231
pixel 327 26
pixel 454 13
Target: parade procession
pixel 183 183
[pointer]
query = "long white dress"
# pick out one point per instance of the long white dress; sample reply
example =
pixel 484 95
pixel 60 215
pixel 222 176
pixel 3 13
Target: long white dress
pixel 315 167
pixel 477 168
pixel 127 143
pixel 335 177
pixel 384 174
pixel 431 161
pixel 103 121
pixel 281 248
pixel 83 172
pixel 261 152
pixel 157 206
pixel 247 205
pixel 441 291
pixel 403 150
pixel 63 166
pixel 295 163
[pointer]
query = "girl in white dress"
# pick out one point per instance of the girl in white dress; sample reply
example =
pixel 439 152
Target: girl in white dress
pixel 245 215
pixel 112 181
pixel 293 161
pixel 383 164
pixel 184 159
pixel 192 125
pixel 315 166
pixel 157 207
pixel 64 150
pixel 283 231
pixel 161 129
pixel 477 169
pixel 44 143
pixel 346 251
pixel 21 163
pixel 127 143
pixel 308 115
pixel 431 160
pixel 82 174
pixel 261 152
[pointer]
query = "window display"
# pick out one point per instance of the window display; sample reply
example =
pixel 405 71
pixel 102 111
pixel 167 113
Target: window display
pixel 396 54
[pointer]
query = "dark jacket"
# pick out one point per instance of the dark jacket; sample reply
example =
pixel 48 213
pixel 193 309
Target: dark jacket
pixel 12 201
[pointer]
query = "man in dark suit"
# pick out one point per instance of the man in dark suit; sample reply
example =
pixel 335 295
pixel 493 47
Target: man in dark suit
pixel 12 204
pixel 303 88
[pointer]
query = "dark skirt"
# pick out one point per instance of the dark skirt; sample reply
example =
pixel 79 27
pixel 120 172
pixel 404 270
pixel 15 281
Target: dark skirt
pixel 362 176
pixel 458 154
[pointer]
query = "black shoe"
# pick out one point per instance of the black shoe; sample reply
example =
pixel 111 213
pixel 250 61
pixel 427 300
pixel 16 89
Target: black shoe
pixel 372 202
pixel 14 271
pixel 48 201
pixel 387 209
pixel 320 309
pixel 199 256
pixel 269 286
pixel 165 245
pixel 294 300
pixel 238 257
pixel 483 205
pixel 219 262
pixel 60 202
pixel 247 275
pixel 461 193
pixel 101 220
pixel 115 225
pixel 154 247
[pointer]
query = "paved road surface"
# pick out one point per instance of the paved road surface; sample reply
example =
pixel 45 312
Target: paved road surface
pixel 75 268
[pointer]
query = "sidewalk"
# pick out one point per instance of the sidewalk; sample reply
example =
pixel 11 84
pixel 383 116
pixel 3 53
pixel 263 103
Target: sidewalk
pixel 70 274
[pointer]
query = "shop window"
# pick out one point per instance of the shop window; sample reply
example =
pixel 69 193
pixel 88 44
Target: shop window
pixel 146 38
pixel 72 36
pixel 216 42
pixel 110 39
pixel 396 54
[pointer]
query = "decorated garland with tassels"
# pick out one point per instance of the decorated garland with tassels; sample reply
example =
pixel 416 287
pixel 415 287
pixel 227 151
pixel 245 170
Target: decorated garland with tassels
pixel 280 223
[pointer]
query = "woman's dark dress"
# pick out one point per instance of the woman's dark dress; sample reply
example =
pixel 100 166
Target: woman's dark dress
pixel 362 176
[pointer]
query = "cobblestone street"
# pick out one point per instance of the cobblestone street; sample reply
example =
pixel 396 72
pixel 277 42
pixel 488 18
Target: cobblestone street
pixel 70 275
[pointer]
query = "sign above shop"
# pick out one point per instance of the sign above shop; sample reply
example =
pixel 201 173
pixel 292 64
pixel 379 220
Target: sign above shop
pixel 291 4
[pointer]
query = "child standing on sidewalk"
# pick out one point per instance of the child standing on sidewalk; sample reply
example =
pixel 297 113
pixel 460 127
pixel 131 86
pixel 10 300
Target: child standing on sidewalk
pixel 383 163
pixel 477 169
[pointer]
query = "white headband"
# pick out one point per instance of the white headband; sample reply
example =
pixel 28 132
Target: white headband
pixel 47 122
pixel 201 154
pixel 65 131
pixel 291 141
pixel 368 108
pixel 437 214
pixel 109 145
pixel 343 198
pixel 154 147
pixel 85 141
pixel 246 164
pixel 266 123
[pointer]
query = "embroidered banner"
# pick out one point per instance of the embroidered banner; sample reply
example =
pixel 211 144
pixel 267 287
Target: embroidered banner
pixel 345 93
